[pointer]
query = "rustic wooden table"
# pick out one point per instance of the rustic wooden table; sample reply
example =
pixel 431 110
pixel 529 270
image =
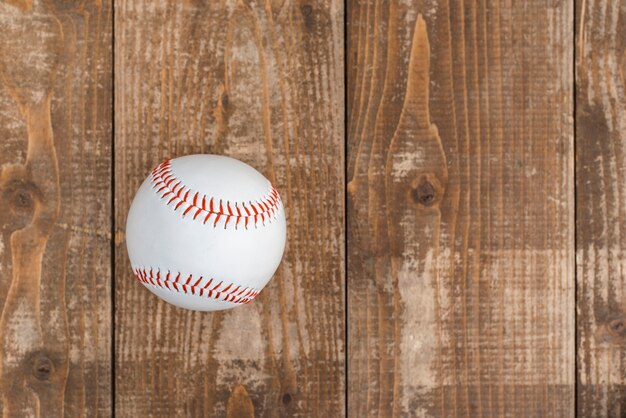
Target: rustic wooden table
pixel 454 174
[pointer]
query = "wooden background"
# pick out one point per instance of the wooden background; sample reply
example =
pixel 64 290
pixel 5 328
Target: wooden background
pixel 453 173
pixel 461 280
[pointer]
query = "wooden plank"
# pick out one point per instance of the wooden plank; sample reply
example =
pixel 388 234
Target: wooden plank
pixel 262 82
pixel 600 219
pixel 460 209
pixel 55 214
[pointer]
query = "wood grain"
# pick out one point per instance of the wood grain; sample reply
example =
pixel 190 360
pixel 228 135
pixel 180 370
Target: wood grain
pixel 261 81
pixel 460 209
pixel 601 220
pixel 460 200
pixel 55 188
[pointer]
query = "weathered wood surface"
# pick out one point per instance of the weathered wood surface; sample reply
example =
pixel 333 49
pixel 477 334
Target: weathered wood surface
pixel 261 81
pixel 55 217
pixel 460 191
pixel 460 209
pixel 601 212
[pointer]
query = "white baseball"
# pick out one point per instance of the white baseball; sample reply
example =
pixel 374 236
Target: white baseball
pixel 205 232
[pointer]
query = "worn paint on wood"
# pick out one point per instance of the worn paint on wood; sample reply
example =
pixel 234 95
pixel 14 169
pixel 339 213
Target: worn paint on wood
pixel 601 213
pixel 460 209
pixel 261 81
pixel 55 188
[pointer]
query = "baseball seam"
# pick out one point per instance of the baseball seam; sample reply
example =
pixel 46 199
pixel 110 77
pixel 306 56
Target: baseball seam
pixel 198 286
pixel 203 207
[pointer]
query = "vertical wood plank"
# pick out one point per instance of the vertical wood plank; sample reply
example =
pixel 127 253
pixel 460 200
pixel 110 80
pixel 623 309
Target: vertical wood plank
pixel 261 81
pixel 460 208
pixel 55 215
pixel 601 216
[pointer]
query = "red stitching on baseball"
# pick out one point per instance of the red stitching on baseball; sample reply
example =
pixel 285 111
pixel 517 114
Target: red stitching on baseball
pixel 229 293
pixel 263 209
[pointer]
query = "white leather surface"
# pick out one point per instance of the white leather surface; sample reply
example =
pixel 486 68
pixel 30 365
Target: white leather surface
pixel 159 237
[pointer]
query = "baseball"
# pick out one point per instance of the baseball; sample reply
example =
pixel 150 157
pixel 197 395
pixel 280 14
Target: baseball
pixel 205 232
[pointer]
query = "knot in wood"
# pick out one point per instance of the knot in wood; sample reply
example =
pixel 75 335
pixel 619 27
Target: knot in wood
pixel 618 327
pixel 18 197
pixel 224 100
pixel 307 10
pixel 307 15
pixel 287 398
pixel 42 368
pixel 425 193
pixel 22 200
pixel 20 193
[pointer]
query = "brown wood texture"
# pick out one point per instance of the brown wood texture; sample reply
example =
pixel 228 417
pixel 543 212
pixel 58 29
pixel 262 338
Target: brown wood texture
pixel 55 212
pixel 460 209
pixel 461 206
pixel 261 81
pixel 601 214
